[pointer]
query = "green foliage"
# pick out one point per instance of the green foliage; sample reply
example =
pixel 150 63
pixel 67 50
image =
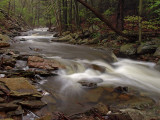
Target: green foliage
pixel 153 6
pixel 95 35
pixel 93 20
pixel 82 13
pixel 109 12
pixel 151 24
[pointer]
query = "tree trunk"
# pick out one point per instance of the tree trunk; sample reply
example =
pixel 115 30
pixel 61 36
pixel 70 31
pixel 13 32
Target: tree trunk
pixel 77 19
pixel 120 15
pixel 140 20
pixel 65 14
pixel 102 18
pixel 70 15
pixel 9 7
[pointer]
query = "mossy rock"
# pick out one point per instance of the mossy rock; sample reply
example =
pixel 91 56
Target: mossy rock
pixel 128 49
pixel 147 48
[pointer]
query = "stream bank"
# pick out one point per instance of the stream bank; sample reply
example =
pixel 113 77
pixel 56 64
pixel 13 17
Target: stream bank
pixel 148 50
pixel 60 81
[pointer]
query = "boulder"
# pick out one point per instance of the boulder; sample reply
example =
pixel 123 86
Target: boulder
pixel 157 53
pixel 20 87
pixel 38 62
pixel 128 49
pixel 147 48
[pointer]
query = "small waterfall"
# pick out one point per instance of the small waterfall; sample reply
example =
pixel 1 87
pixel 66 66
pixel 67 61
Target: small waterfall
pixel 125 72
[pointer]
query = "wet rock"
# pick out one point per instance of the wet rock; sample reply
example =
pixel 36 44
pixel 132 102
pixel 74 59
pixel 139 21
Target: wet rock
pixel 4 44
pixel 134 114
pixel 22 57
pixel 38 62
pixel 118 116
pixel 128 49
pixel 8 68
pixel 18 111
pixel 88 84
pixel 148 47
pixel 136 102
pixel 101 108
pixel 47 117
pixel 124 97
pixel 3 88
pixel 20 87
pixel 33 104
pixel 98 68
pixel 121 89
pixel 23 39
pixel 9 62
pixel 8 106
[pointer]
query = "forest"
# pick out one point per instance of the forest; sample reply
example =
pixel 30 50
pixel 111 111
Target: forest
pixel 79 59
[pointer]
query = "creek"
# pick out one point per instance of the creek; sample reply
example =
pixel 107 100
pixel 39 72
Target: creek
pixel 90 75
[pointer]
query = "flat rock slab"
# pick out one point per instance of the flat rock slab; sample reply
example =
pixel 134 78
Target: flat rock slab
pixel 38 62
pixel 33 104
pixel 20 87
pixel 8 106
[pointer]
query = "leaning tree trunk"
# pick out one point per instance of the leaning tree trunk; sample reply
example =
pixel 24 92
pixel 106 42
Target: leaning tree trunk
pixel 103 19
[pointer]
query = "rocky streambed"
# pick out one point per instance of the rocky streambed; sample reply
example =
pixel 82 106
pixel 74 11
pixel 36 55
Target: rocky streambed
pixel 44 80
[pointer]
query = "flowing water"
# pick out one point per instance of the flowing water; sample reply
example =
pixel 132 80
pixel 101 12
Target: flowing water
pixel 98 68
